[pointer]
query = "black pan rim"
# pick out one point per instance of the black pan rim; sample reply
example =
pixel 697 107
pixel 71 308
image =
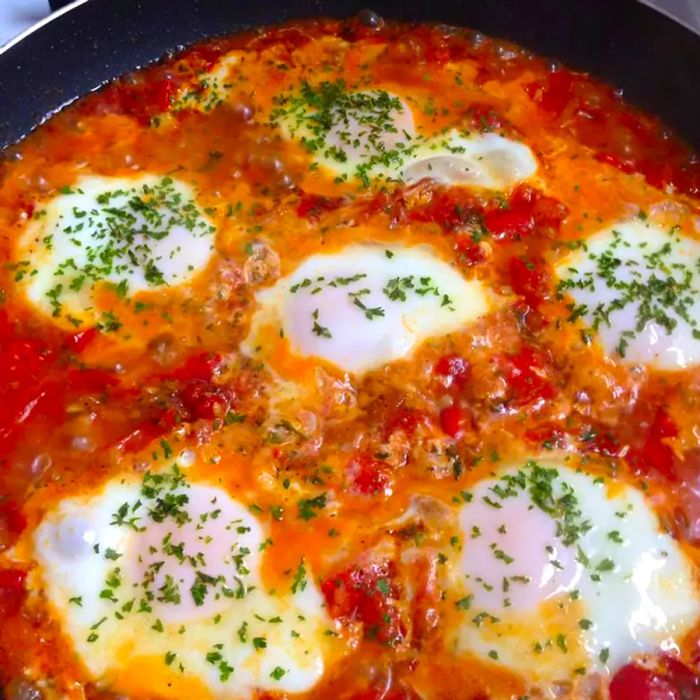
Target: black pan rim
pixel 26 111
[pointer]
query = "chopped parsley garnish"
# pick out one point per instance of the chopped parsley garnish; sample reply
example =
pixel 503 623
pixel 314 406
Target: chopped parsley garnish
pixel 330 118
pixel 216 658
pixel 615 536
pixel 115 240
pixel 396 289
pixel 299 583
pixel 464 603
pixel 308 507
pixel 659 285
pixel 317 328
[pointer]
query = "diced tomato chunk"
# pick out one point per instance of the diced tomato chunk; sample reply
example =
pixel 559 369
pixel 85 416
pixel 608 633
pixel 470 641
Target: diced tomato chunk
pixel 90 380
pixel 454 420
pixel 603 443
pixel 141 100
pixel 554 92
pixel 204 56
pixel 367 594
pixel 550 437
pixel 546 211
pixel 160 94
pixel 523 373
pixel 549 212
pixel 528 279
pixel 681 677
pixel 79 341
pixel 11 590
pixel 199 366
pixel 655 455
pixel 403 419
pixel 509 223
pixel 11 515
pixel 6 327
pixel 205 400
pixel 367 475
pixel 453 370
pixel 528 209
pixel 20 405
pixel 470 252
pixel 672 681
pixel 24 360
pixel 311 206
pixel 450 208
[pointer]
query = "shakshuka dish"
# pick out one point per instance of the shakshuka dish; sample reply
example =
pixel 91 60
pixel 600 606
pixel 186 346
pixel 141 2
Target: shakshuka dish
pixel 350 360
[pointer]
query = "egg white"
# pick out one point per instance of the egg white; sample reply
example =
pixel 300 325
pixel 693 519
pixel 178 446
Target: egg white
pixel 478 160
pixel 137 234
pixel 83 540
pixel 210 89
pixel 358 143
pixel 621 272
pixel 561 573
pixel 339 306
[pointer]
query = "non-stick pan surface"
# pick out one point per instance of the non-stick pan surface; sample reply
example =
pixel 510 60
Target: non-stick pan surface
pixel 652 58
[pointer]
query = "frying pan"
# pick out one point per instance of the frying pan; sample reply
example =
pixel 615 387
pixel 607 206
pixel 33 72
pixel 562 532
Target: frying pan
pixel 655 60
